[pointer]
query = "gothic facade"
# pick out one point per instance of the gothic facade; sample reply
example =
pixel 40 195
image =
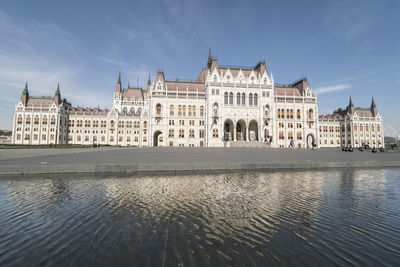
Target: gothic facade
pixel 225 107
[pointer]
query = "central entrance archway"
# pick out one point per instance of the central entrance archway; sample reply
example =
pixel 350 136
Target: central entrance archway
pixel 253 130
pixel 241 130
pixel 310 139
pixel 155 138
pixel 228 130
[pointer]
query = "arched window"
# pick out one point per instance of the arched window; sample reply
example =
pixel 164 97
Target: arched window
pixel 310 114
pixel 215 78
pixel 299 136
pixel 159 86
pixel 265 80
pixel 266 111
pixel 201 111
pixel 158 109
pixel 194 110
pixel 231 98
pixel 250 99
pixel 184 110
pixel 189 110
pixel 243 99
pixel 215 109
pixel 298 114
pixel 179 110
pixel 171 110
pixel 145 124
pixel 238 98
pixel 225 98
pixel 255 100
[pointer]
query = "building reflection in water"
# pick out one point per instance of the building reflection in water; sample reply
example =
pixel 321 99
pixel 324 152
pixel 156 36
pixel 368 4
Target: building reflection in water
pixel 223 218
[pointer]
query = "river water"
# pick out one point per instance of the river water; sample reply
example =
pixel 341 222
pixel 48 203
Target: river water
pixel 346 217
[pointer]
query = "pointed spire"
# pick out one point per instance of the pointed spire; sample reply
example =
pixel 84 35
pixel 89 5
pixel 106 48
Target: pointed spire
pixel 373 103
pixel 128 85
pixel 148 81
pixel 58 89
pixel 25 92
pixel 373 108
pixel 118 89
pixel 57 95
pixel 209 56
pixel 350 107
pixel 351 103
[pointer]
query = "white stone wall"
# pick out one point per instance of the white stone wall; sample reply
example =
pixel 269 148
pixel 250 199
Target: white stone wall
pixel 329 133
pixel 302 130
pixel 168 127
pixel 40 125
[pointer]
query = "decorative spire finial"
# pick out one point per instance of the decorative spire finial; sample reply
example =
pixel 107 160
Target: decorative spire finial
pixel 58 89
pixel 25 92
pixel 373 103
pixel 148 81
pixel 350 102
pixel 209 56
pixel 119 78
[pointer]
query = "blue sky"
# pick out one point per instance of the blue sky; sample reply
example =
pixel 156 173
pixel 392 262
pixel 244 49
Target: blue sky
pixel 343 47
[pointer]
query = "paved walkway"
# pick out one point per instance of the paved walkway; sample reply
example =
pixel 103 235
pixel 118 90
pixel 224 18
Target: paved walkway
pixel 114 159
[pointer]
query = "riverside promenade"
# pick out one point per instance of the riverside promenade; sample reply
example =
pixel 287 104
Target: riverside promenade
pixel 176 160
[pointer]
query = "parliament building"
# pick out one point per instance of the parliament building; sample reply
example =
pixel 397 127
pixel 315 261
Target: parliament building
pixel 225 107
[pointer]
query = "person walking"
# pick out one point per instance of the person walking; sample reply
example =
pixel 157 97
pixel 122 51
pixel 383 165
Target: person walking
pixel 314 144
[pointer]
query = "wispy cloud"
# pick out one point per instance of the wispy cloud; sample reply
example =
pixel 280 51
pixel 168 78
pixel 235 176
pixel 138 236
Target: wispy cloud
pixel 42 54
pixel 136 76
pixel 390 130
pixel 328 89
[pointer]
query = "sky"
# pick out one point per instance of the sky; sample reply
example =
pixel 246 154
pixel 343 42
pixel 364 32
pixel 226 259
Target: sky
pixel 344 48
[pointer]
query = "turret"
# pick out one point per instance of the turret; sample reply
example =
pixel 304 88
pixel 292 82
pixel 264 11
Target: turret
pixel 209 57
pixel 25 95
pixel 57 96
pixel 350 107
pixel 212 63
pixel 148 84
pixel 118 89
pixel 374 111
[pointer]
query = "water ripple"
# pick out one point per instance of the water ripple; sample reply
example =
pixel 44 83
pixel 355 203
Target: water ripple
pixel 348 217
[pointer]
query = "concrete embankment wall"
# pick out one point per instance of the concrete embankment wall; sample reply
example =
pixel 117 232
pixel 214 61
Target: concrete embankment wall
pixel 184 167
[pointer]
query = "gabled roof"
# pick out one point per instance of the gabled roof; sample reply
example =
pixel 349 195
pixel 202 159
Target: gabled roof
pixel 185 86
pixel 39 101
pixel 288 91
pixel 133 93
pixel 363 112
